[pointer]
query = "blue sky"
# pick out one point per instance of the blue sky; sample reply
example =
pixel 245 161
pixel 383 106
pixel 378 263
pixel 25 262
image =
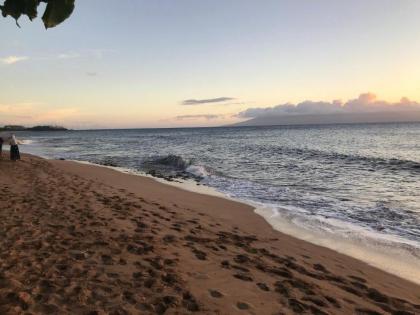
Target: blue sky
pixel 131 63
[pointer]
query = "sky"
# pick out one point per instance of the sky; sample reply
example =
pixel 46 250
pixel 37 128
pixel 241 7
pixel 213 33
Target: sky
pixel 141 63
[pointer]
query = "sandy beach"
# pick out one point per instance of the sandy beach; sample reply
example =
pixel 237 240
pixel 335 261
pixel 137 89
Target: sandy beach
pixel 82 239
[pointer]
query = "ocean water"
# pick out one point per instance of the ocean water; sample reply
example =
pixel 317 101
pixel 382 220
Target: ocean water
pixel 354 188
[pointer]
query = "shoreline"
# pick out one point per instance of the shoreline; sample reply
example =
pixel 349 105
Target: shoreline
pixel 80 238
pixel 371 253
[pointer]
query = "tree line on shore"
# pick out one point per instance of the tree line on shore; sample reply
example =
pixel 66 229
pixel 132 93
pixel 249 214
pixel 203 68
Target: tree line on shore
pixel 34 128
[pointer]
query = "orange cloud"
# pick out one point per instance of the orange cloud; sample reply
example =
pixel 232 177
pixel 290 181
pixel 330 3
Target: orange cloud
pixel 10 60
pixel 365 103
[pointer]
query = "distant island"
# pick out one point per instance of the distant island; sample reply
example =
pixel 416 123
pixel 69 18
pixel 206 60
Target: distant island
pixel 35 128
pixel 339 118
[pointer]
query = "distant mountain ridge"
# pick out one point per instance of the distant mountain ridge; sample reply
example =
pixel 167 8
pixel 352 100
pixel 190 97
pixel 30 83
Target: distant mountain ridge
pixel 339 118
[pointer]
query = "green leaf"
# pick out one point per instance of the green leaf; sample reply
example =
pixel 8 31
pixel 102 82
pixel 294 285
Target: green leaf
pixel 57 11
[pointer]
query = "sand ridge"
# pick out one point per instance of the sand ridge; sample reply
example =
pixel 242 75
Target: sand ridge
pixel 79 239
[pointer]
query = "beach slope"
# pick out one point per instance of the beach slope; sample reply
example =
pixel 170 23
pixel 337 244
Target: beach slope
pixel 82 239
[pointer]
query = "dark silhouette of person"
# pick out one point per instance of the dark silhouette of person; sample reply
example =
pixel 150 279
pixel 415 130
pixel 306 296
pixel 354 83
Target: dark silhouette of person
pixel 14 149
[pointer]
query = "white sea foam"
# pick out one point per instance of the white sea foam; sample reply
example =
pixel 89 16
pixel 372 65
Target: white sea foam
pixel 387 252
pixel 26 141
pixel 197 170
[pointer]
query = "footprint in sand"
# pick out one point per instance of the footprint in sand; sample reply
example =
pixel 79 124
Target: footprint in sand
pixel 243 277
pixel 242 306
pixel 263 286
pixel 215 294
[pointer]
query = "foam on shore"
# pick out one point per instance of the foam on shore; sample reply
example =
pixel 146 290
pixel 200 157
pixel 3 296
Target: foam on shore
pixel 380 251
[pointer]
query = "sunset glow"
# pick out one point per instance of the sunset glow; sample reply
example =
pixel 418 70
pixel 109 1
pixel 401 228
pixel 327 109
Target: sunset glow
pixel 252 55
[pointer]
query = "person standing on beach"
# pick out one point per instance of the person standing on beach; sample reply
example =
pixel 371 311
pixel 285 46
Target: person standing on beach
pixel 1 146
pixel 14 149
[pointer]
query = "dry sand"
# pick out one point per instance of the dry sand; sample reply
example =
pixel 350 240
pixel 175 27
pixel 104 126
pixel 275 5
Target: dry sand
pixel 80 239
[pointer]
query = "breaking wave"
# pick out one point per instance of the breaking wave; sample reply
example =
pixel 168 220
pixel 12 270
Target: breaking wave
pixel 174 165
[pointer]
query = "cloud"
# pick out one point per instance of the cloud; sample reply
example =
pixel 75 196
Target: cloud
pixel 17 108
pixel 365 103
pixel 207 101
pixel 10 60
pixel 99 53
pixel 84 53
pixel 69 55
pixel 56 114
pixel 16 113
pixel 33 113
pixel 207 117
pixel 91 74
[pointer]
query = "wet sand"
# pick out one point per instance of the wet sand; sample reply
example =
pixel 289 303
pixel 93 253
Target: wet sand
pixel 81 239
